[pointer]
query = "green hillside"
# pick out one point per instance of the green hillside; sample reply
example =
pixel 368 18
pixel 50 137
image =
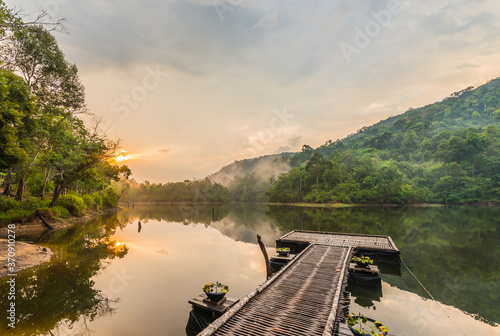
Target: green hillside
pixel 446 152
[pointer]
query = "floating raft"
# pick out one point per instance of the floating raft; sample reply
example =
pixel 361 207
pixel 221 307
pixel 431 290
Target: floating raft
pixel 360 241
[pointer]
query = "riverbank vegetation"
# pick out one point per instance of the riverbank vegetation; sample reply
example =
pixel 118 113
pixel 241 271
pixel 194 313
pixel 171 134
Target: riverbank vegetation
pixel 46 149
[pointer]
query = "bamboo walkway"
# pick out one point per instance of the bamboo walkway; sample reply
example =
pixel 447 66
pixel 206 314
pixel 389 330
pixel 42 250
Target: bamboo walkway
pixel 303 297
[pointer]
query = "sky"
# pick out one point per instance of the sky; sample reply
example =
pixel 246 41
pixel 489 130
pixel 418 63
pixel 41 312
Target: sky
pixel 190 86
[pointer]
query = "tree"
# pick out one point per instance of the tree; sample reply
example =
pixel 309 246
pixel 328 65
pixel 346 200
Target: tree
pixel 15 108
pixel 54 83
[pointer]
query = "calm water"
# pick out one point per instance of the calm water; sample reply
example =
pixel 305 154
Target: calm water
pixel 111 277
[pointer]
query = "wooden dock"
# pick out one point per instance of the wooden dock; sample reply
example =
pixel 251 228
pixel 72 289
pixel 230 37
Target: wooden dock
pixel 303 297
pixel 360 241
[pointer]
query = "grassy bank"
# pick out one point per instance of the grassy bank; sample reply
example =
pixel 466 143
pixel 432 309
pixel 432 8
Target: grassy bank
pixel 69 205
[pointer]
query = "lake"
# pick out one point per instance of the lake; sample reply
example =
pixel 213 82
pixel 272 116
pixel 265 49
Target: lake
pixel 113 276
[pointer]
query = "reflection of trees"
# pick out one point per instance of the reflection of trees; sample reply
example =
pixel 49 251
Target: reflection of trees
pixel 63 293
pixel 454 251
pixel 204 213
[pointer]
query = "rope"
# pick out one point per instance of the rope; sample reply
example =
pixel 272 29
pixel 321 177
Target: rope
pixel 432 297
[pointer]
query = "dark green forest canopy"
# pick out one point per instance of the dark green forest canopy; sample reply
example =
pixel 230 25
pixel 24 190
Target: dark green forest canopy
pixel 45 147
pixel 446 152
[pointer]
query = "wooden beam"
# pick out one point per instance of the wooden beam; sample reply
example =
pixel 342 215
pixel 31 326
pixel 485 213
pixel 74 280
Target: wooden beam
pixel 266 257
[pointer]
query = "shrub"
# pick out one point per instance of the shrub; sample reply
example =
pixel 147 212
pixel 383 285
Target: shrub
pixel 34 203
pixel 89 202
pixel 45 212
pixel 16 215
pixel 110 199
pixel 7 203
pixel 59 211
pixel 97 200
pixel 74 204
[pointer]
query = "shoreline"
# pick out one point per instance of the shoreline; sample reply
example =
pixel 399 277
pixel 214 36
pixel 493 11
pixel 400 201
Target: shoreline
pixel 28 254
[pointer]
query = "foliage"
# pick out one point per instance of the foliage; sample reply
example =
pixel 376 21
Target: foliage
pixel 89 202
pixel 59 211
pixel 15 105
pixel 216 287
pixel 283 249
pixel 362 259
pixel 249 189
pixel 197 191
pixel 366 326
pixel 109 199
pixel 7 203
pixel 12 211
pixel 447 152
pixel 72 202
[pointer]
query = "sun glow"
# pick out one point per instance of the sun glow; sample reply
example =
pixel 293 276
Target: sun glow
pixel 122 156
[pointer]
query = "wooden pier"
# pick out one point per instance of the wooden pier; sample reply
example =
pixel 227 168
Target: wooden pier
pixel 303 297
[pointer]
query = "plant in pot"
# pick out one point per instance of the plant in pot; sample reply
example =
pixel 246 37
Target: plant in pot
pixel 215 291
pixel 361 325
pixel 362 261
pixel 283 251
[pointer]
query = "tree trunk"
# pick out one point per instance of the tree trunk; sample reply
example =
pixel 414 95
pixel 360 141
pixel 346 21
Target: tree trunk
pixel 20 189
pixel 7 184
pixel 46 175
pixel 44 222
pixel 57 191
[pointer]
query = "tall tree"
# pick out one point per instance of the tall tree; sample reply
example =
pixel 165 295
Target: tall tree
pixel 35 55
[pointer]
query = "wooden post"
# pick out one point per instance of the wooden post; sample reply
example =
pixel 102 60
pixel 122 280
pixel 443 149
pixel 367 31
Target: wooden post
pixel 266 257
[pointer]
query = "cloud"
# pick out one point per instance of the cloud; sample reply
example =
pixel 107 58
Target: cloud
pixel 165 150
pixel 294 141
pixel 283 149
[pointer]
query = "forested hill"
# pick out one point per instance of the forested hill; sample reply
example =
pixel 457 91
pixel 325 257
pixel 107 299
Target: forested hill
pixel 248 180
pixel 446 152
pixel 264 167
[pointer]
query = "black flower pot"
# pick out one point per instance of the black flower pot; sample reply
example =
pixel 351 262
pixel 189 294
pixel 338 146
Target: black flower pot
pixel 284 253
pixel 215 297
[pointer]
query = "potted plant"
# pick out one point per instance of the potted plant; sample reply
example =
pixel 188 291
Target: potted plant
pixel 362 261
pixel 361 325
pixel 283 251
pixel 215 291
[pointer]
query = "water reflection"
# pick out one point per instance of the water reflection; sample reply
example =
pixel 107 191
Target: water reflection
pixel 449 249
pixel 49 298
pixel 163 254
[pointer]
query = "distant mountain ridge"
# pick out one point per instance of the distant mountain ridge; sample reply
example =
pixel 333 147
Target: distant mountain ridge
pixel 264 168
pixel 445 152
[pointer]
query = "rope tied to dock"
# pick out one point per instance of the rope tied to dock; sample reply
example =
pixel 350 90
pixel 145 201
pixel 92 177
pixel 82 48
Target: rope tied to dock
pixel 432 297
